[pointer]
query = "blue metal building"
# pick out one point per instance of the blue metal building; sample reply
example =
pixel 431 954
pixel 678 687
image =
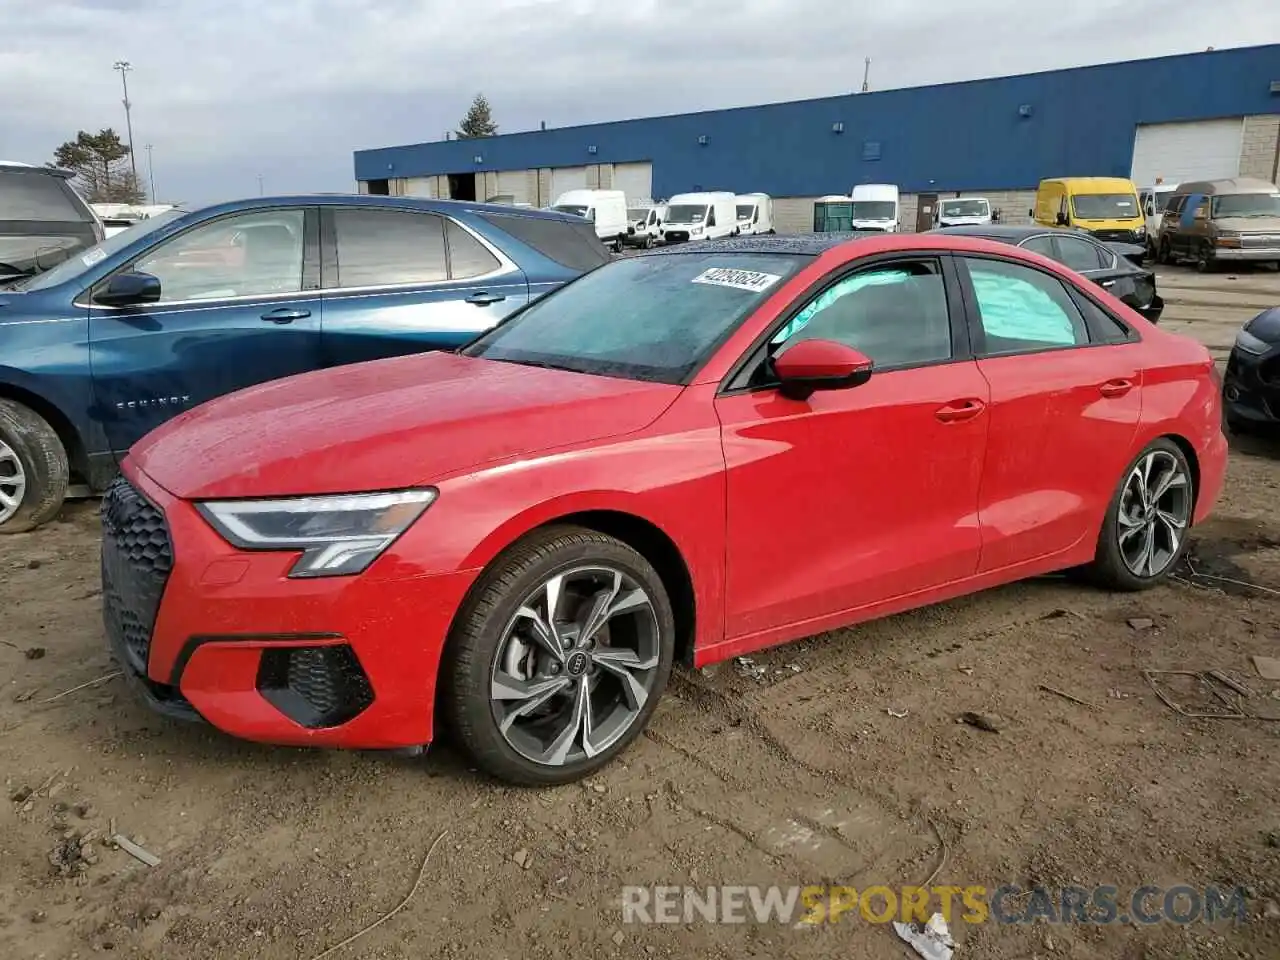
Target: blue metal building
pixel 1216 109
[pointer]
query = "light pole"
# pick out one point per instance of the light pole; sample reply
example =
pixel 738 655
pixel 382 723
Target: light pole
pixel 151 173
pixel 259 184
pixel 124 66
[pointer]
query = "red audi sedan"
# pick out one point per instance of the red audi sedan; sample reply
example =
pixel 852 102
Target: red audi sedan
pixel 682 456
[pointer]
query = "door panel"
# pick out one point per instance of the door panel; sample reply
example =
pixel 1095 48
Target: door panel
pixel 1063 414
pixel 239 307
pixel 850 497
pixel 865 494
pixel 401 282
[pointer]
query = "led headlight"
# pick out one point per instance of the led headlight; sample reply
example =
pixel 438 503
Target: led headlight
pixel 1247 342
pixel 338 535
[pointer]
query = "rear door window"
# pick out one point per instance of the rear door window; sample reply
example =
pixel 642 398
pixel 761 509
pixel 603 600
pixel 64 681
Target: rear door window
pixel 468 257
pixel 1022 310
pixel 1079 255
pixel 37 196
pixel 379 248
pixel 570 244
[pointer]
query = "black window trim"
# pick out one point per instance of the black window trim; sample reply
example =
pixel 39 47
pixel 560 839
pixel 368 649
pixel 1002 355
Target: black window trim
pixel 736 380
pixel 310 265
pixel 329 254
pixel 1074 292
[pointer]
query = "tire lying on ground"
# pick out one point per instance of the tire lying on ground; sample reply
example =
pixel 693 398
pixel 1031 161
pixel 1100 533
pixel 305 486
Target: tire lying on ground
pixel 33 469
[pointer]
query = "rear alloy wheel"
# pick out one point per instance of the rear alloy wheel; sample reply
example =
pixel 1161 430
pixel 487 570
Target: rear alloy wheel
pixel 559 661
pixel 33 469
pixel 1145 530
pixel 1204 258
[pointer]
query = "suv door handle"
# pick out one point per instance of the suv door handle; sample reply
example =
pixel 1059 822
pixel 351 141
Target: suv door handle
pixel 959 411
pixel 483 299
pixel 285 315
pixel 1115 388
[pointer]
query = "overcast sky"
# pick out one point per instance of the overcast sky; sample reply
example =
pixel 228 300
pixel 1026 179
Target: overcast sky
pixel 227 90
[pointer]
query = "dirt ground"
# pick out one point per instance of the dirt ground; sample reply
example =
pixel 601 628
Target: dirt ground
pixel 789 770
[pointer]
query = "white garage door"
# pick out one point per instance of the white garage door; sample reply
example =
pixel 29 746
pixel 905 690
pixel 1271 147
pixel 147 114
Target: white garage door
pixel 564 179
pixel 420 187
pixel 514 184
pixel 1177 152
pixel 634 179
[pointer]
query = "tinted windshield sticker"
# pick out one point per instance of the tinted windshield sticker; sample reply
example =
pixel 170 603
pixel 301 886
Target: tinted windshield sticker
pixel 92 257
pixel 737 279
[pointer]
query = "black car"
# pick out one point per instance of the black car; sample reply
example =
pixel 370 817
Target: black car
pixel 1108 266
pixel 43 221
pixel 1251 388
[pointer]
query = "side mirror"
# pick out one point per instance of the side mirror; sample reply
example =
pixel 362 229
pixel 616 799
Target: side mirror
pixel 812 365
pixel 1062 219
pixel 129 290
pixel 1031 214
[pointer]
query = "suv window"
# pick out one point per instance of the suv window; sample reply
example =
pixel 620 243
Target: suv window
pixel 468 257
pixel 570 244
pixel 895 314
pixel 1078 254
pixel 33 195
pixel 253 254
pixel 384 247
pixel 1023 310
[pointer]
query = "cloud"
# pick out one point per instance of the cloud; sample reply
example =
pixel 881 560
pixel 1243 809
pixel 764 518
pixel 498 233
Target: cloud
pixel 232 90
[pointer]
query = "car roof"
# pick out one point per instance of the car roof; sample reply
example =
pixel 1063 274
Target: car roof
pixel 1010 234
pixel 806 244
pixel 17 166
pixel 420 204
pixel 1210 188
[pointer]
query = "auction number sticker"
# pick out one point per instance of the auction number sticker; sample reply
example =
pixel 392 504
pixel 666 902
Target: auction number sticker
pixel 92 257
pixel 750 280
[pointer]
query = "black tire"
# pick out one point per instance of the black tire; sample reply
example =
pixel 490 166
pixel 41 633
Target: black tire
pixel 44 465
pixel 1108 569
pixel 1163 253
pixel 467 666
pixel 1204 259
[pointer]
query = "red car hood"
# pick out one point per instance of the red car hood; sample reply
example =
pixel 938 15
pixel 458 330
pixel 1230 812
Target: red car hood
pixel 385 425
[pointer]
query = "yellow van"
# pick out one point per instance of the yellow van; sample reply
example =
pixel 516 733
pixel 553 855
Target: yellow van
pixel 1105 206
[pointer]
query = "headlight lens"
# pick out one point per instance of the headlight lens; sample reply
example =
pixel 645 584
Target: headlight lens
pixel 1247 342
pixel 338 535
pixel 696 231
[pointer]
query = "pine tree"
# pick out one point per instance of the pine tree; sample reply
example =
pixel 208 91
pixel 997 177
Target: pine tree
pixel 479 120
pixel 100 163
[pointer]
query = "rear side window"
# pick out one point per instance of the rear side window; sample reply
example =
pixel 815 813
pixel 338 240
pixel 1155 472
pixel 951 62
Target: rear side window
pixel 1078 254
pixel 573 245
pixel 468 257
pixel 384 247
pixel 1023 310
pixel 37 196
pixel 1106 328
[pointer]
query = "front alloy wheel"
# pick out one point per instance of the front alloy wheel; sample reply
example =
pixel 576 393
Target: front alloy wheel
pixel 558 660
pixel 13 481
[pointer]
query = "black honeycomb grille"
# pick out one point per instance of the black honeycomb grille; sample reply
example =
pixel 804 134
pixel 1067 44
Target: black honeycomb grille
pixel 137 558
pixel 315 686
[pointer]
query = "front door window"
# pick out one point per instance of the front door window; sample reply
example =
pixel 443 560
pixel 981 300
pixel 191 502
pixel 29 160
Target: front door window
pixel 251 255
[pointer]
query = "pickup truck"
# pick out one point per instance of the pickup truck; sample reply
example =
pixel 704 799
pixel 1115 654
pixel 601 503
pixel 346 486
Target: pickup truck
pixel 187 306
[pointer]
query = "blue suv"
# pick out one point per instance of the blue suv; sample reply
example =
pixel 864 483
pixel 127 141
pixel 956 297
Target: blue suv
pixel 184 307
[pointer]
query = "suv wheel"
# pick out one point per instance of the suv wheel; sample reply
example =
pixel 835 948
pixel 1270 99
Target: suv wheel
pixel 33 469
pixel 557 662
pixel 1204 258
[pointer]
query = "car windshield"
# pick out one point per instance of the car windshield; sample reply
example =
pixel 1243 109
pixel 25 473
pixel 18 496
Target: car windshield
pixel 1105 206
pixel 874 209
pixel 650 318
pixel 745 211
pixel 1247 205
pixel 573 208
pixel 637 213
pixel 686 213
pixel 70 269
pixel 965 208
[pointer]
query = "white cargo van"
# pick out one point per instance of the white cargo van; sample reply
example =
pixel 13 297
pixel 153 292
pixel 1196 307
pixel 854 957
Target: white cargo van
pixel 963 212
pixel 1154 200
pixel 876 207
pixel 607 209
pixel 700 216
pixel 755 213
pixel 644 221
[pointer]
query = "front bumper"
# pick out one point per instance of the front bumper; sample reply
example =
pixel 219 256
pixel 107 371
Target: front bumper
pixel 1247 254
pixel 336 662
pixel 1251 386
